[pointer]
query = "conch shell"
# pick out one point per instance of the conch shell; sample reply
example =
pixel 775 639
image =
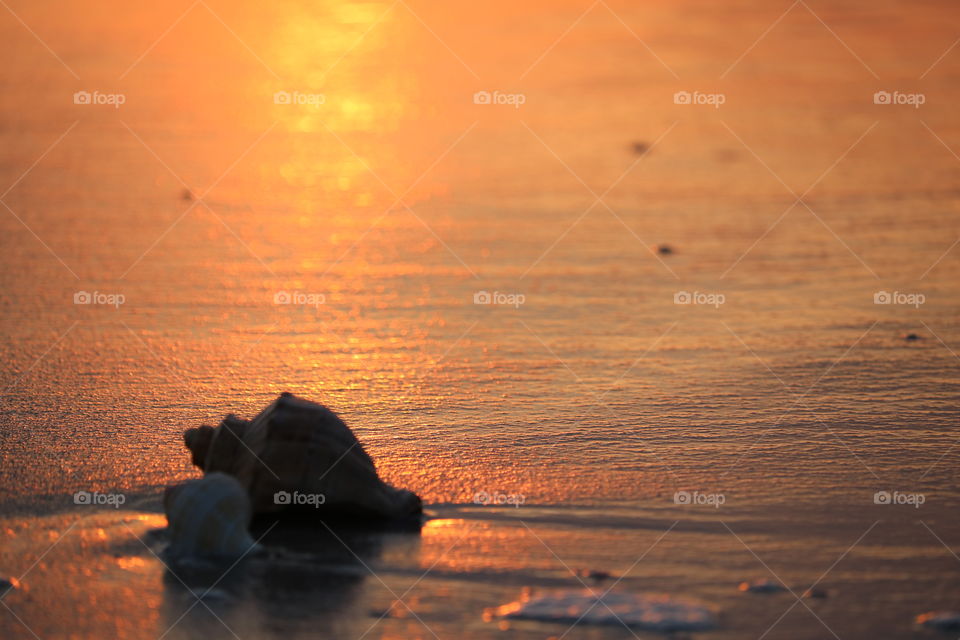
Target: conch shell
pixel 209 517
pixel 299 454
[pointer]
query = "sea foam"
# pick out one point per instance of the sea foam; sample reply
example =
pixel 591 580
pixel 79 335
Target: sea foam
pixel 655 612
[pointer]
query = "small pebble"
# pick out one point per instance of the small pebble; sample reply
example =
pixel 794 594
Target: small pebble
pixel 911 336
pixel 664 249
pixel 762 586
pixel 593 574
pixel 940 620
pixel 8 584
pixel 815 592
pixel 186 194
pixel 640 148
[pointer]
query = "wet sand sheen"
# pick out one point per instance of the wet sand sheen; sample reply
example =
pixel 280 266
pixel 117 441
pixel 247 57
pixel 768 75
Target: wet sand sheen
pixel 395 201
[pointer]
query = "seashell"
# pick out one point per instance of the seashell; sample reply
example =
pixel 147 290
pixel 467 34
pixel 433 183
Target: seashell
pixel 208 516
pixel 298 454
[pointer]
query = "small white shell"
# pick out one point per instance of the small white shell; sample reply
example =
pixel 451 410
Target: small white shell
pixel 208 517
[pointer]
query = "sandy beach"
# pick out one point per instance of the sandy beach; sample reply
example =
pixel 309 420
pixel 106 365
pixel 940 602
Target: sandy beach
pixel 652 296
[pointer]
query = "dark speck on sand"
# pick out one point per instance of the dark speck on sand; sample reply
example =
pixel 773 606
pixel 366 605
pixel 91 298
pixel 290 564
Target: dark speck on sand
pixel 940 620
pixel 761 586
pixel 8 584
pixel 594 574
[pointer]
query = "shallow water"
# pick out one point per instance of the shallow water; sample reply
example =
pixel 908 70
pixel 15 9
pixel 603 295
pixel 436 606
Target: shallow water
pixel 104 577
pixel 398 199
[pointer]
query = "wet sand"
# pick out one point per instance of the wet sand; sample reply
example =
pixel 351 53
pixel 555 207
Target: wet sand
pixel 602 399
pixel 105 576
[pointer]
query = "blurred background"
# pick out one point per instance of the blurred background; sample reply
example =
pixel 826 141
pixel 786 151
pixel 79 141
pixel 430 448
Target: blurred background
pixel 386 191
